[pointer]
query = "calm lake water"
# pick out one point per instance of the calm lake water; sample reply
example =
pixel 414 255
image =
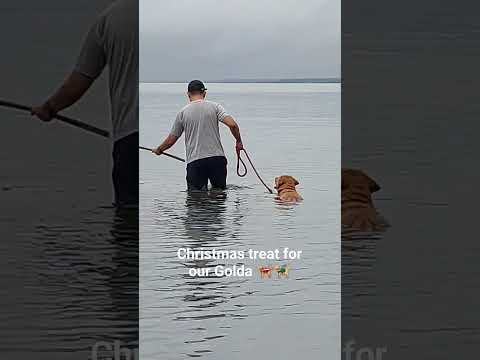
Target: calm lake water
pixel 69 275
pixel 289 129
pixel 410 119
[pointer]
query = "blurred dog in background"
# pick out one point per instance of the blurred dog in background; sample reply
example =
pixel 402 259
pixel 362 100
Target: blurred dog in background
pixel 358 211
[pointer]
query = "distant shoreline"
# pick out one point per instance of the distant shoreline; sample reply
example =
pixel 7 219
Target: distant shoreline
pixel 256 81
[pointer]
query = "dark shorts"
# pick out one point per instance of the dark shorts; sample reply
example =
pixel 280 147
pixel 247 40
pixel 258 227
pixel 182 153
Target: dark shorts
pixel 200 171
pixel 125 170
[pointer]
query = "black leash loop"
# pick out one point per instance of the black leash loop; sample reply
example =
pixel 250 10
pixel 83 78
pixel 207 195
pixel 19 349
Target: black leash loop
pixel 240 160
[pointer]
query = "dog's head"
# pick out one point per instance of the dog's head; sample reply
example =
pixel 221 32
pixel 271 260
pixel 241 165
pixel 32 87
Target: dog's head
pixel 358 211
pixel 285 180
pixel 357 178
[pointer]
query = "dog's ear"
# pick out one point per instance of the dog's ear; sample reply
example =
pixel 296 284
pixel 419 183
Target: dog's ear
pixel 295 180
pixel 279 181
pixel 372 184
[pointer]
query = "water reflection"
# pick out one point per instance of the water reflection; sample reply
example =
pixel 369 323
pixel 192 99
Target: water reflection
pixel 206 220
pixel 206 228
pixel 204 223
pixel 359 257
pixel 124 279
pixel 205 217
pixel 80 285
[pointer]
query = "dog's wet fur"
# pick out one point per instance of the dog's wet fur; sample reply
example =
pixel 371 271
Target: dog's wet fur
pixel 285 186
pixel 358 211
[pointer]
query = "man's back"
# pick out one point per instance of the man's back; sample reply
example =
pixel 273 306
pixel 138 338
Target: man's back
pixel 113 41
pixel 206 161
pixel 199 120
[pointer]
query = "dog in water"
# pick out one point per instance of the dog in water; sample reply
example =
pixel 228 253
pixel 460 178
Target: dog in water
pixel 285 186
pixel 358 211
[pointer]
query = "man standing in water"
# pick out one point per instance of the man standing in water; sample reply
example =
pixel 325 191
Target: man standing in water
pixel 112 41
pixel 205 157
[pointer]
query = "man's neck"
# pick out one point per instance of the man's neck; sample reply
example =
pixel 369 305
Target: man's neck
pixel 196 98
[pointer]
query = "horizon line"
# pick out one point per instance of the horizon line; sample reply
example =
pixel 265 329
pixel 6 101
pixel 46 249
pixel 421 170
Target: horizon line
pixel 254 80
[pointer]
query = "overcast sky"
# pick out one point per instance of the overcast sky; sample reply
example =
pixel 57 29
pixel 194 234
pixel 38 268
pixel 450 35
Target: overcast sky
pixel 225 39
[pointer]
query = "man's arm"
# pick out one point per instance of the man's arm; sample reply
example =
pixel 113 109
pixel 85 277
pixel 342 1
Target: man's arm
pixel 90 63
pixel 235 130
pixel 68 94
pixel 166 144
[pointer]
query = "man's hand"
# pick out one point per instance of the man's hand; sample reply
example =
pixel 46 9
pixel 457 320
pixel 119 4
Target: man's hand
pixel 43 112
pixel 157 151
pixel 166 144
pixel 69 93
pixel 238 147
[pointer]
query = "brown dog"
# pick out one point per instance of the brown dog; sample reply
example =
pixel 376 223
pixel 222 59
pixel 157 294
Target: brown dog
pixel 285 186
pixel 358 211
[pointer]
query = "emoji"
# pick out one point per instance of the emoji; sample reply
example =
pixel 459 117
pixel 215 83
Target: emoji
pixel 282 270
pixel 265 271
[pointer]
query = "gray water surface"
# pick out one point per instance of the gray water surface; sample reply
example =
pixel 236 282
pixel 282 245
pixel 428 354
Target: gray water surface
pixel 69 260
pixel 289 129
pixel 410 120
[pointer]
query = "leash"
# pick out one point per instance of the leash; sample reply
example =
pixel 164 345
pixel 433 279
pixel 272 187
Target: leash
pixel 70 121
pixel 240 160
pixel 163 153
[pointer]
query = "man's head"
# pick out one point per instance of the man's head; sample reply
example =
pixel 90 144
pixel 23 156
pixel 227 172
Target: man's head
pixel 196 90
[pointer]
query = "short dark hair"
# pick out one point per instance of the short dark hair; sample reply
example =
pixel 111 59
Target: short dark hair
pixel 197 92
pixel 196 86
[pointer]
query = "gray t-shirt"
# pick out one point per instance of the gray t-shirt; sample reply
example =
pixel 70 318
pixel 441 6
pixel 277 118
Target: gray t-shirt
pixel 199 120
pixel 113 40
